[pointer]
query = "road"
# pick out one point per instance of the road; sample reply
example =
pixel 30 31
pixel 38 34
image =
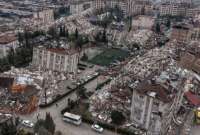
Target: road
pixel 66 128
pixel 195 130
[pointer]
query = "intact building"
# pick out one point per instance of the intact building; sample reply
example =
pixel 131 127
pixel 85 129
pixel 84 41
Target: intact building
pixel 56 59
pixel 44 16
pixel 6 43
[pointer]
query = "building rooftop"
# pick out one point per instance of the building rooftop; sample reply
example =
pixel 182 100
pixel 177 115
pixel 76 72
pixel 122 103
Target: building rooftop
pixel 5 39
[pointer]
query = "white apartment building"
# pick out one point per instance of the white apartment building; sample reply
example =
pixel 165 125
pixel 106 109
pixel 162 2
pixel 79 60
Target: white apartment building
pixel 55 59
pixel 6 42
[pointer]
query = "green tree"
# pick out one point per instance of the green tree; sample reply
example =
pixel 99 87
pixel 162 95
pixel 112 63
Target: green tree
pixel 38 124
pixel 49 123
pixel 157 27
pixel 104 37
pixel 11 56
pixel 117 117
pixel 81 91
pixel 84 57
pixel 43 131
pixel 58 133
pixel 67 33
pixel 168 24
pixel 8 128
pixel 52 32
pixel 76 33
pixel 20 38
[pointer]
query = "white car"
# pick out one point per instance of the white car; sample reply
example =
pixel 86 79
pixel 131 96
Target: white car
pixel 97 128
pixel 27 123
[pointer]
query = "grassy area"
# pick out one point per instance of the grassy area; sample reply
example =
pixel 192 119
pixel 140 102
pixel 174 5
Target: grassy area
pixel 109 56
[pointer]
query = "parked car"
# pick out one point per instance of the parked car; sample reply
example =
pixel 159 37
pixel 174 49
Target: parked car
pixel 97 128
pixel 27 123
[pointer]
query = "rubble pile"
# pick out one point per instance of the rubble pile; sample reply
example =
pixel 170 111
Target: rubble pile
pixel 152 61
pixel 117 97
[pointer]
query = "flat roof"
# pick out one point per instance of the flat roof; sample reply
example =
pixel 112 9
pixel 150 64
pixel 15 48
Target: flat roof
pixel 72 115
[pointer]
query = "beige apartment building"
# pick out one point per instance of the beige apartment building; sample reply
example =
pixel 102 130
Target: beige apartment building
pixel 55 59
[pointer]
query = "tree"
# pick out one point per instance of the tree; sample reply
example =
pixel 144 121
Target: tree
pixel 76 33
pixel 20 38
pixel 46 126
pixel 52 32
pixel 8 128
pixel 11 56
pixel 85 57
pixel 58 133
pixel 81 91
pixel 157 27
pixel 49 123
pixel 104 37
pixel 43 131
pixel 38 124
pixel 168 24
pixel 67 33
pixel 117 117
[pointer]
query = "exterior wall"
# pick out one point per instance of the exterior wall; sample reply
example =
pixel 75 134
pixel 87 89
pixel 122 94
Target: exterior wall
pixel 129 7
pixel 180 35
pixel 4 48
pixel 145 110
pixel 46 60
pixel 44 16
pixel 178 10
pixel 195 34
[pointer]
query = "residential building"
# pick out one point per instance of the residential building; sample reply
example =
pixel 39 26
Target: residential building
pixel 178 9
pixel 129 7
pixel 154 102
pixel 79 6
pixel 7 41
pixel 44 16
pixel 56 59
pixel 181 33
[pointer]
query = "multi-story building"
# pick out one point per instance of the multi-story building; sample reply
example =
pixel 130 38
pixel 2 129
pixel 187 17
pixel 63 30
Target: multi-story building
pixel 79 6
pixel 181 33
pixel 56 59
pixel 148 106
pixel 178 9
pixel 6 43
pixel 139 7
pixel 44 16
pixel 154 104
pixel 129 7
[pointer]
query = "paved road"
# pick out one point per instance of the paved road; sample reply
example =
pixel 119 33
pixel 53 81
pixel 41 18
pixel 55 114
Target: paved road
pixel 196 130
pixel 66 128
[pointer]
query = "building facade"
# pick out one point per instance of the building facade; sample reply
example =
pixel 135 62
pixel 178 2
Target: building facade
pixel 181 33
pixel 44 16
pixel 178 9
pixel 129 7
pixel 6 43
pixel 55 59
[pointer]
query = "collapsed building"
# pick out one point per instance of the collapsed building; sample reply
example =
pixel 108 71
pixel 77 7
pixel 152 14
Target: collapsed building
pixel 19 92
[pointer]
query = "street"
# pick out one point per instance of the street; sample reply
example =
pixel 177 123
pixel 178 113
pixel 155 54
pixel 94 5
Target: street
pixel 66 128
